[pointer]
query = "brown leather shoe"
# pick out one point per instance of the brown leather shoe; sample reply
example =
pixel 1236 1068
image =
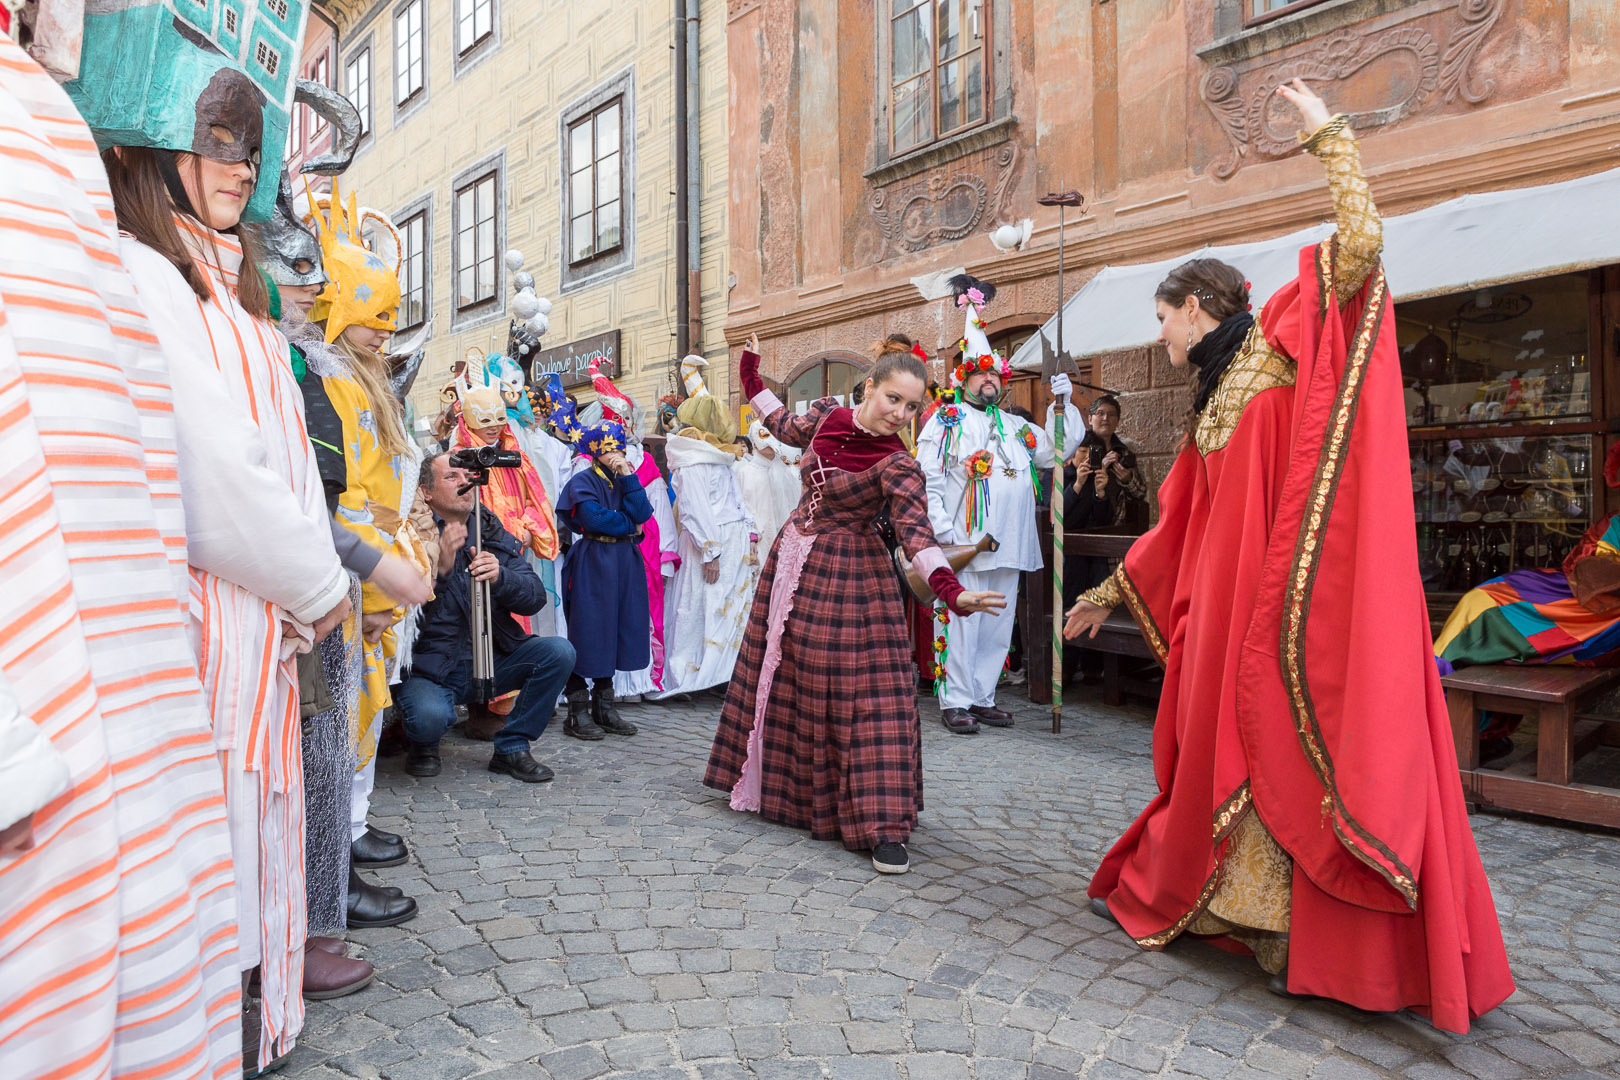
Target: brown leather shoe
pixel 993 716
pixel 328 976
pixel 335 946
pixel 482 724
pixel 959 722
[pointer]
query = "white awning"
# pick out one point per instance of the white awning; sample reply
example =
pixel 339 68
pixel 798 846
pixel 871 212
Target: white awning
pixel 1466 243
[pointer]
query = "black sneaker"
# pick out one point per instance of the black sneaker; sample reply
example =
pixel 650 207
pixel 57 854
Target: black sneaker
pixel 890 859
pixel 521 765
pixel 422 760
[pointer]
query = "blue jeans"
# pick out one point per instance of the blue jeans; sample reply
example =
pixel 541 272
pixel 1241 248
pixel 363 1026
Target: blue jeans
pixel 538 668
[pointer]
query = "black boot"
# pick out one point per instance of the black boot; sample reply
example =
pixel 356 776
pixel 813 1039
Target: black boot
pixel 602 711
pixel 579 723
pixel 371 906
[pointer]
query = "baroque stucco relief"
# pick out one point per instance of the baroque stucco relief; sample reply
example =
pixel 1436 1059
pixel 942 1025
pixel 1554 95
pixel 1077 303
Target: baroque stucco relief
pixel 945 205
pixel 1440 58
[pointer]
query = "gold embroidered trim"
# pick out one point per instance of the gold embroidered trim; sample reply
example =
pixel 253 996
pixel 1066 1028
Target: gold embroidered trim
pixel 1297 599
pixel 1338 125
pixel 1258 367
pixel 1144 618
pixel 1165 937
pixel 1105 595
pixel 1226 818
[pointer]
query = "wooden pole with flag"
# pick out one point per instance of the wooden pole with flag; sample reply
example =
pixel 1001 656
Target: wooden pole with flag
pixel 1051 363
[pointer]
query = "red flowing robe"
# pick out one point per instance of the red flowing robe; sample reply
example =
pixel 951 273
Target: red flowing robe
pixel 1280 589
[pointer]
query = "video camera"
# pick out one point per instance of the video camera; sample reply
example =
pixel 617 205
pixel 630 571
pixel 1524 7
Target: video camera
pixel 477 459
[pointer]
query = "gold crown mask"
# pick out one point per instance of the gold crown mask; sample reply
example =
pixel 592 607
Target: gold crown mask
pixel 361 288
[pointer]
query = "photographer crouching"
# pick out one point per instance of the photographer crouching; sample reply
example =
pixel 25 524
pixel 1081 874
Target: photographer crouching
pixel 441 675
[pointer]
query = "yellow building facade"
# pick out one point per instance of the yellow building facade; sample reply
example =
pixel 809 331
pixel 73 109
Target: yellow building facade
pixel 546 127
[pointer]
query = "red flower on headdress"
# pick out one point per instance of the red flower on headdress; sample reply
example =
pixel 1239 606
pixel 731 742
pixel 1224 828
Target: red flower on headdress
pixel 986 363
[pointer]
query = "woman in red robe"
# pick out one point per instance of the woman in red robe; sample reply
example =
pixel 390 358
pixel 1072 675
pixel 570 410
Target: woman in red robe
pixel 1309 806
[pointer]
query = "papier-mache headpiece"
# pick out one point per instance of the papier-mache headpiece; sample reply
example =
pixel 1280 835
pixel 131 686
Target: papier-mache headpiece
pixel 209 77
pixel 509 379
pixel 480 397
pixel 692 366
pixel 546 397
pixel 977 355
pixel 603 437
pixel 291 253
pixel 362 286
pixel 616 405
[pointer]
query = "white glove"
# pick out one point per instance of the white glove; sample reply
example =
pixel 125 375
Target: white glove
pixel 1061 386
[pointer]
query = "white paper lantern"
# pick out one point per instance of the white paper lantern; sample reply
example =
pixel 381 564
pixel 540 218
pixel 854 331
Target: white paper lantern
pixel 514 260
pixel 539 324
pixel 523 280
pixel 525 304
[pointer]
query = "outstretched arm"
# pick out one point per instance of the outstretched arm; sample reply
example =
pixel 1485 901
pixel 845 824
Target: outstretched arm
pixel 1360 238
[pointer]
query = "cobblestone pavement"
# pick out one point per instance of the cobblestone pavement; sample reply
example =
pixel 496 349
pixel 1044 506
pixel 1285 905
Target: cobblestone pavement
pixel 623 921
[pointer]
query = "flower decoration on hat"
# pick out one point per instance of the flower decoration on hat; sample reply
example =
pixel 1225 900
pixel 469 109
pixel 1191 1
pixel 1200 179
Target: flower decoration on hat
pixel 362 288
pixel 977 355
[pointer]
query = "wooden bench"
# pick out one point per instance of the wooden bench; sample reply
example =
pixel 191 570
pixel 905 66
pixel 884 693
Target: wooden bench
pixel 1555 695
pixel 1119 636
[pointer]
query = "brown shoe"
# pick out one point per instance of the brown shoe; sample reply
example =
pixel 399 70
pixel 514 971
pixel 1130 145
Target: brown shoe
pixel 328 976
pixel 993 716
pixel 335 946
pixel 959 722
pixel 482 724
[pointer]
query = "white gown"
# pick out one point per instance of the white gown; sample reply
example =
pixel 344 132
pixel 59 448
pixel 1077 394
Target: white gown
pixel 704 623
pixel 629 683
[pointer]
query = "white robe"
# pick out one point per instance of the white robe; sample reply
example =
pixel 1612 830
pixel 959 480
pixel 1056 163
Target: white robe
pixel 703 623
pixel 977 646
pixel 762 492
pixel 629 683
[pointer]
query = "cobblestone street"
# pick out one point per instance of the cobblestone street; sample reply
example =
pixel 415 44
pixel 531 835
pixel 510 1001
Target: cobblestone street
pixel 623 921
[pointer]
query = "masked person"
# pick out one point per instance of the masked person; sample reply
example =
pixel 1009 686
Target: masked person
pixel 709 596
pixel 1309 807
pixel 112 806
pixel 769 486
pixel 604 578
pixel 983 469
pixel 266 579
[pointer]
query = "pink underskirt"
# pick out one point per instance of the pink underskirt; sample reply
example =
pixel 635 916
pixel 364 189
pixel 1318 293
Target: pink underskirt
pixel 793 548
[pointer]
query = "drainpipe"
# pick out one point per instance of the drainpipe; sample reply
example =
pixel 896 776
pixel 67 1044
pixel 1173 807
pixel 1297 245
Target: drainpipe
pixel 683 257
pixel 694 179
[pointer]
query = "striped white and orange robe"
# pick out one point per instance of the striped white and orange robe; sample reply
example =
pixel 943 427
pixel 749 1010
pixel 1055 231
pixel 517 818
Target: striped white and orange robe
pixel 118 930
pixel 259 544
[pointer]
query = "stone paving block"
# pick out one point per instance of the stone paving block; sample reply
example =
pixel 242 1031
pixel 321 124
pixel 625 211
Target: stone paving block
pixel 815 1040
pixel 577 1027
pixel 578 1063
pixel 864 1068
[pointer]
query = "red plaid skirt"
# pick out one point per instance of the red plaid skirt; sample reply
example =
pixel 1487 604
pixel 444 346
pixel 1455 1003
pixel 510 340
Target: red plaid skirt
pixel 842 745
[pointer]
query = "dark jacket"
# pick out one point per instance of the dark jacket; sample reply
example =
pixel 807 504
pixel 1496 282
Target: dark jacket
pixel 443 650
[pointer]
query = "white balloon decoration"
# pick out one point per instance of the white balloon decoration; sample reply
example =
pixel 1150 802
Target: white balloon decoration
pixel 525 304
pixel 539 324
pixel 545 306
pixel 514 260
pixel 522 280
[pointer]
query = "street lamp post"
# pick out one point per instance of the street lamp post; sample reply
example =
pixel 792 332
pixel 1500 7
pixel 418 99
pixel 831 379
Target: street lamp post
pixel 1049 367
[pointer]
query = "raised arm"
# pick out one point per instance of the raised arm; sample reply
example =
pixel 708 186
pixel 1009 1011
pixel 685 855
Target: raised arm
pixel 795 431
pixel 1360 238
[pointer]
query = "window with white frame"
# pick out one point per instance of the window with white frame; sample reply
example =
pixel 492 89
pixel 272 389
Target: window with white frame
pixel 410 58
pixel 475 210
pixel 413 304
pixel 596 182
pixel 475 21
pixel 938 69
pixel 357 82
pixel 320 71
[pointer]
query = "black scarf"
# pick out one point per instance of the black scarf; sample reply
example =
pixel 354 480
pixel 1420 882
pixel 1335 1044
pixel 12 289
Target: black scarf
pixel 1214 352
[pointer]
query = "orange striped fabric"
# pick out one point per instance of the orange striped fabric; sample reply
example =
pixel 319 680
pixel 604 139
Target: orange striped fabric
pixel 118 930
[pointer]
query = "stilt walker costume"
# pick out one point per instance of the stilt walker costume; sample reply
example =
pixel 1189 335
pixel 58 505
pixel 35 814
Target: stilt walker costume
pixel 983 468
pixel 820 728
pixel 705 619
pixel 604 581
pixel 258 537
pixel 118 927
pixel 1309 805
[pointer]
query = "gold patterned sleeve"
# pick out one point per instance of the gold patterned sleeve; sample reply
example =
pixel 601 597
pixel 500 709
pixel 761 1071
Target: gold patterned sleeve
pixel 1361 232
pixel 1105 595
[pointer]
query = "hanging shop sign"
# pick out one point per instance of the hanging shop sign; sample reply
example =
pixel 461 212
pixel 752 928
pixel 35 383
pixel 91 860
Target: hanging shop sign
pixel 573 360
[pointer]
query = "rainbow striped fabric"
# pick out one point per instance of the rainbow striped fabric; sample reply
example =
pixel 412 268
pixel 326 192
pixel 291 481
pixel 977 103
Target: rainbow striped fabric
pixel 118 930
pixel 1528 617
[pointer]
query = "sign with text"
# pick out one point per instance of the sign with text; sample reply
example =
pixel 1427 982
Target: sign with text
pixel 573 360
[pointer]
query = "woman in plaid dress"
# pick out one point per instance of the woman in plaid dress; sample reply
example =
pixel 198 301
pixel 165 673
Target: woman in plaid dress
pixel 820 728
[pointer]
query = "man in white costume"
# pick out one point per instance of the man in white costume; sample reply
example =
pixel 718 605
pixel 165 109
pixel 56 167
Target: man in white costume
pixel 982 467
pixel 708 602
pixel 769 486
